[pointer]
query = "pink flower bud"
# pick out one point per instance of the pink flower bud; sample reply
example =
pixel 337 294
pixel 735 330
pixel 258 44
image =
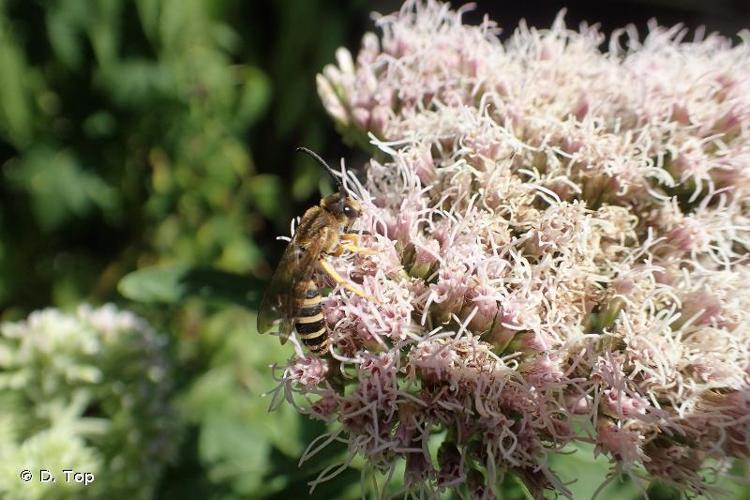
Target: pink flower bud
pixel 418 469
pixel 580 405
pixel 680 114
pixel 623 443
pixel 369 51
pixel 361 117
pixel 581 109
pixel 451 462
pixel 426 254
pixel 619 405
pixel 675 464
pixel 542 371
pixel 308 372
pixel 703 304
pixel 433 361
pixel 449 292
pixel 487 309
pixel 690 236
pixel 326 407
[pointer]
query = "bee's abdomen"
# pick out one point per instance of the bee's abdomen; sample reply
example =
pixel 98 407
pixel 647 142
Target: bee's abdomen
pixel 310 323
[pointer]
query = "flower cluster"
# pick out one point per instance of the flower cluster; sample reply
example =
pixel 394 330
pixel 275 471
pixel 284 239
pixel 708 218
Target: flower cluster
pixel 562 241
pixel 84 391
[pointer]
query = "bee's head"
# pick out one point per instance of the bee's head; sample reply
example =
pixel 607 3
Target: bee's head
pixel 345 208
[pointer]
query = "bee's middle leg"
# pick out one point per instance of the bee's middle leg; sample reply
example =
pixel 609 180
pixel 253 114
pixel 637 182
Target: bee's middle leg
pixel 335 276
pixel 350 241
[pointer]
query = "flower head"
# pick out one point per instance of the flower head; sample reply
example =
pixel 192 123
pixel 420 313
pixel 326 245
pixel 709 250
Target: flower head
pixel 562 234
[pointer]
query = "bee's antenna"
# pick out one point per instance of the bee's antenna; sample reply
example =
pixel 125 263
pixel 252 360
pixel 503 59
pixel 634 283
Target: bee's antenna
pixel 320 160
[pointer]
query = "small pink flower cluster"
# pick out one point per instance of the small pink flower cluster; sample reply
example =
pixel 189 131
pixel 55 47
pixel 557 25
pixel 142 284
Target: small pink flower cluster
pixel 562 242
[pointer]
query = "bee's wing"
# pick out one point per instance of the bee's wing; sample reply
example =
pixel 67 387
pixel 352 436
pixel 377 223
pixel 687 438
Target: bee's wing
pixel 280 300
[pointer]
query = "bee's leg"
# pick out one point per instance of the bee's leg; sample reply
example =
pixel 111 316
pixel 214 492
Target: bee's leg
pixel 354 235
pixel 357 249
pixel 350 241
pixel 335 276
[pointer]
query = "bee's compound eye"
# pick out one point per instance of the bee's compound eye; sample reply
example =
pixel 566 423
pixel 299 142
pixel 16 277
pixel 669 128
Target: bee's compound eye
pixel 351 212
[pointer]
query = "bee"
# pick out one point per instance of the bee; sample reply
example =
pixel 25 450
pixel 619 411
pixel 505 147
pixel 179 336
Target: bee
pixel 292 294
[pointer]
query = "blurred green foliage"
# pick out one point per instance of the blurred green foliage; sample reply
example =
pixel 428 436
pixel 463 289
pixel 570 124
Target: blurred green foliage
pixel 162 132
pixel 124 126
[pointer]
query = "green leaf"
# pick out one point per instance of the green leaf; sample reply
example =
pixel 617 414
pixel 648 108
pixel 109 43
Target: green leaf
pixel 254 97
pixel 333 488
pixel 149 12
pixel 100 124
pixel 59 187
pixel 584 474
pixel 103 27
pixel 239 438
pixel 266 193
pixel 137 82
pixel 65 24
pixel 178 18
pixel 16 114
pixel 176 283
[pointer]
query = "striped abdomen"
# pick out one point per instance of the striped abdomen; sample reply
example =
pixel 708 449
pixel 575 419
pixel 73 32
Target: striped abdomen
pixel 309 323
